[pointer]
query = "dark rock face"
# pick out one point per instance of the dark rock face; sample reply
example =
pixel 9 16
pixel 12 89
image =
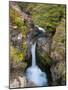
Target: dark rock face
pixel 58 68
pixel 56 60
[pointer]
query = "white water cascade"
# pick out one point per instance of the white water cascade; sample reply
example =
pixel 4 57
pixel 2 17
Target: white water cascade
pixel 34 73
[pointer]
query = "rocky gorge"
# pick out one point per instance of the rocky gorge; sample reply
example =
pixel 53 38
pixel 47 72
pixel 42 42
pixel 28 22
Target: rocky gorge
pixel 50 50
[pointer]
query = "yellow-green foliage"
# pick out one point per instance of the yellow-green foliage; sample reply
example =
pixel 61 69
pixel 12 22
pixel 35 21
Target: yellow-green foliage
pixel 45 14
pixel 15 18
pixel 16 55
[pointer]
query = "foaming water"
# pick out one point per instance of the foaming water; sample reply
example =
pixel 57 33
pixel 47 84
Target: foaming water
pixel 34 73
pixel 40 28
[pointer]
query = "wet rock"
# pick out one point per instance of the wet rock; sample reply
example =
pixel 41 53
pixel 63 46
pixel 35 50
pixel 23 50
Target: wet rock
pixel 30 84
pixel 43 51
pixel 43 45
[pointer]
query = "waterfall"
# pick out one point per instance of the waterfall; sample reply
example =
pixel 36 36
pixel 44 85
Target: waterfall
pixel 34 73
pixel 33 55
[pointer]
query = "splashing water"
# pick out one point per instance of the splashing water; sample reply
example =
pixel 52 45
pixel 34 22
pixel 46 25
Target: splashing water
pixel 34 73
pixel 40 28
